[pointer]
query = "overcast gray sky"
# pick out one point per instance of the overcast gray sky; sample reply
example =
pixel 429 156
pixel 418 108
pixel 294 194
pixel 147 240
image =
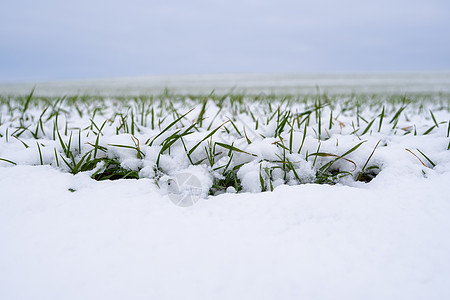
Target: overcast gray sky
pixel 50 40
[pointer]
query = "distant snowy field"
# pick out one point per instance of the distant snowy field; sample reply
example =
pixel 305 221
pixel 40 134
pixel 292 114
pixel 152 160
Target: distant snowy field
pixel 378 230
pixel 249 83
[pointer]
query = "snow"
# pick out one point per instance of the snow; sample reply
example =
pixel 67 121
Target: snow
pixel 125 240
pixel 65 236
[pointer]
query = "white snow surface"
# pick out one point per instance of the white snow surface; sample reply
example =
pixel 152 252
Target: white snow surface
pixel 125 240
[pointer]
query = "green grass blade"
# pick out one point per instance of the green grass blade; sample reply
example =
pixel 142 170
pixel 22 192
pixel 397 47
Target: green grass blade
pixel 427 158
pixel 8 161
pixel 232 148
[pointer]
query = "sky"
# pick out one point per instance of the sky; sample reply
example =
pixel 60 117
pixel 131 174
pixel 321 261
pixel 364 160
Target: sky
pixel 57 40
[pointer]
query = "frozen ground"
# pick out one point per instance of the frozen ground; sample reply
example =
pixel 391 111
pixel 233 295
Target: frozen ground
pixel 68 236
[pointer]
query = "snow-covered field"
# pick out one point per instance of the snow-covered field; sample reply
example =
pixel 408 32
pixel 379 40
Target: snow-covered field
pixel 309 195
pixel 249 83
